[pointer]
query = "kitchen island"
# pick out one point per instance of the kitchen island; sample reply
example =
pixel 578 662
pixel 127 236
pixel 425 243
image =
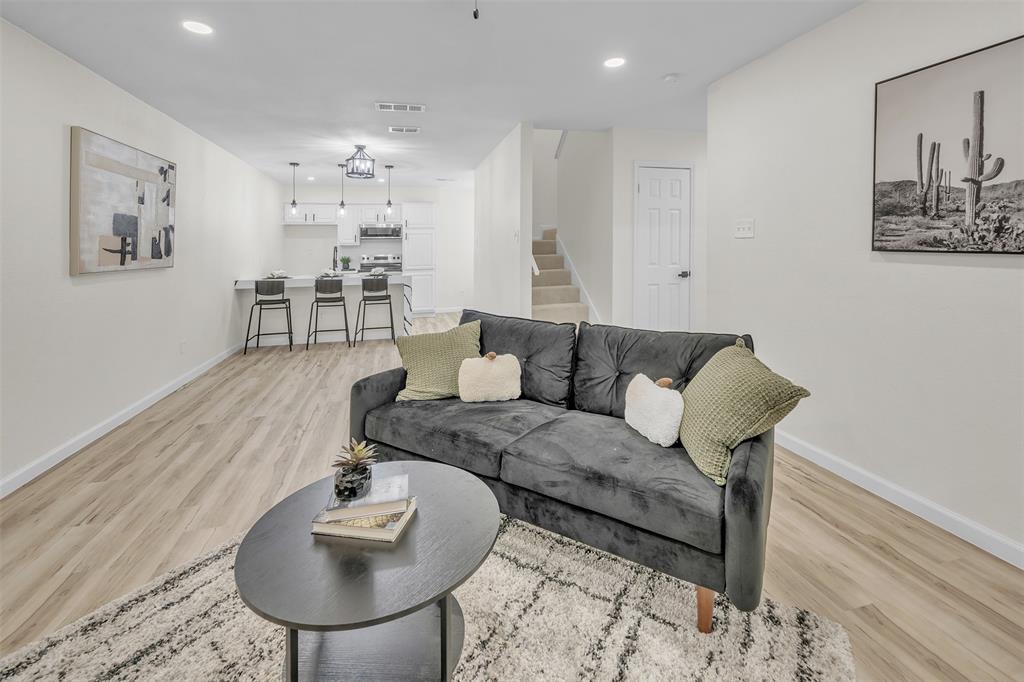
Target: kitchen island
pixel 299 288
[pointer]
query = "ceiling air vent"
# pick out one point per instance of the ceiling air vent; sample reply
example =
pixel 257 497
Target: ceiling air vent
pixel 403 129
pixel 403 108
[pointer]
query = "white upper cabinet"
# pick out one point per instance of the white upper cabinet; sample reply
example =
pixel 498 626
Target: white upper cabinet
pixel 311 214
pixel 348 227
pixel 397 211
pixel 325 214
pixel 369 213
pixel 377 213
pixel 419 214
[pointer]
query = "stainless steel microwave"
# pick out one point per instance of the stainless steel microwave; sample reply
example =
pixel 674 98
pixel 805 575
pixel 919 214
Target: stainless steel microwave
pixel 380 231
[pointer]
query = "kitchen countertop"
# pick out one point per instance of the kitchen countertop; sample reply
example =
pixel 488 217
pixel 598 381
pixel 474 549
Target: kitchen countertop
pixel 353 278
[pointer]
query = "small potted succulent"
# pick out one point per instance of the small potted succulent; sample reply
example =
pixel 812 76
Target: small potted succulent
pixel 353 464
pixel 345 260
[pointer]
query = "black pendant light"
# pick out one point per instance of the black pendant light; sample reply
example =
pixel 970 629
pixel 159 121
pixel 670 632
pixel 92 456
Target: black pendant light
pixel 295 206
pixel 388 209
pixel 341 204
pixel 360 164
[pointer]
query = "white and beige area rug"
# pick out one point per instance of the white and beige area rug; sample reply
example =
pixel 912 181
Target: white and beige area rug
pixel 542 607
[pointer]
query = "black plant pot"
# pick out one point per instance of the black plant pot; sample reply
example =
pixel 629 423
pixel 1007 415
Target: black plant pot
pixel 352 483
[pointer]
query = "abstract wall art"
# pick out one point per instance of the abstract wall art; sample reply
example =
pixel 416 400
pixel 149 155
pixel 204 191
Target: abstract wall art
pixel 949 155
pixel 122 206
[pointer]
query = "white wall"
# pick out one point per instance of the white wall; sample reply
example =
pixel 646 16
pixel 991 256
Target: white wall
pixel 585 216
pixel 545 180
pixel 455 206
pixel 308 249
pixel 596 197
pixel 79 351
pixel 503 212
pixel 915 362
pixel 630 145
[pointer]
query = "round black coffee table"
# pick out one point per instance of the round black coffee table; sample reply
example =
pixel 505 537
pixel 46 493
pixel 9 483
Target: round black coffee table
pixel 364 610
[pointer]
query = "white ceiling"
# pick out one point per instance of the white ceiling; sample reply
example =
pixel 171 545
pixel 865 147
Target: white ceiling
pixel 296 81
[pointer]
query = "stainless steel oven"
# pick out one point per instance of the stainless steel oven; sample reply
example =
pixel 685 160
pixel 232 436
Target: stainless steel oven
pixel 380 231
pixel 388 261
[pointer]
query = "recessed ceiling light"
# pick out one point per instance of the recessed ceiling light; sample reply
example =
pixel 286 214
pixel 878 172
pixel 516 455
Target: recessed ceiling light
pixel 311 178
pixel 671 77
pixel 197 27
pixel 380 179
pixel 614 62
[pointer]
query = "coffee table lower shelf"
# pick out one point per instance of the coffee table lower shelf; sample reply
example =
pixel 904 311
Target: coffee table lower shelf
pixel 408 648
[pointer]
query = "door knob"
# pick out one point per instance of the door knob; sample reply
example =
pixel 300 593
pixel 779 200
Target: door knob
pixel 684 274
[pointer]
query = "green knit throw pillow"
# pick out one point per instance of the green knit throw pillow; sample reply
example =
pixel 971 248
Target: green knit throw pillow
pixel 733 397
pixel 432 361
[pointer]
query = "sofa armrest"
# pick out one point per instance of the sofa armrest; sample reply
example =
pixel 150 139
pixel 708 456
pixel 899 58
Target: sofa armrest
pixel 371 392
pixel 748 499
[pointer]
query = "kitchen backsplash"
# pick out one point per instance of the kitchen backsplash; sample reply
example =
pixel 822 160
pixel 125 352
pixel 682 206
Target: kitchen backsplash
pixel 308 250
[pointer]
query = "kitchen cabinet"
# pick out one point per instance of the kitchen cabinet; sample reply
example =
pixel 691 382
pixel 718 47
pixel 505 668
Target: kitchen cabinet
pixel 418 214
pixel 325 214
pixel 422 295
pixel 419 255
pixel 377 213
pixel 418 252
pixel 368 213
pixel 311 214
pixel 348 227
pixel 396 213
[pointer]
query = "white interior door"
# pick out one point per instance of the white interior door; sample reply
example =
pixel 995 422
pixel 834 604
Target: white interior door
pixel 661 249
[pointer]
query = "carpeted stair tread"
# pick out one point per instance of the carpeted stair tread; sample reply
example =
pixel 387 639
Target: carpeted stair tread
pixel 556 294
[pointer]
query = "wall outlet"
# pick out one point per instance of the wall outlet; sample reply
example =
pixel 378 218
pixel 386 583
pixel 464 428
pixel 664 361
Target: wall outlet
pixel 181 347
pixel 744 229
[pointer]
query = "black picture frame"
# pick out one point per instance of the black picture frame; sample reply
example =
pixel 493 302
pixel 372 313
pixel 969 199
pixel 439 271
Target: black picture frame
pixel 1015 220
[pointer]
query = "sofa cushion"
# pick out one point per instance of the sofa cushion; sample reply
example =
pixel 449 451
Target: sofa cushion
pixel 432 361
pixel 733 398
pixel 467 435
pixel 544 350
pixel 607 359
pixel 599 463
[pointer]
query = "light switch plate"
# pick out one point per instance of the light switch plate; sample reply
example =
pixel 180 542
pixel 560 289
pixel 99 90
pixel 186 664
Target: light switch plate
pixel 744 229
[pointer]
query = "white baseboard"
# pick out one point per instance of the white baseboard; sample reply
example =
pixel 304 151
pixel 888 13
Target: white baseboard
pixel 62 452
pixel 450 309
pixel 997 544
pixel 584 295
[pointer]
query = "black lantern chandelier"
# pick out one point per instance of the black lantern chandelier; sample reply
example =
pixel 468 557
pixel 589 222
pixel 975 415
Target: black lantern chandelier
pixel 388 209
pixel 341 204
pixel 360 164
pixel 295 206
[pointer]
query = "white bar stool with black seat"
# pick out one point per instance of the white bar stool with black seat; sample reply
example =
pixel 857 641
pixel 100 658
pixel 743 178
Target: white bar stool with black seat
pixel 269 295
pixel 327 293
pixel 375 292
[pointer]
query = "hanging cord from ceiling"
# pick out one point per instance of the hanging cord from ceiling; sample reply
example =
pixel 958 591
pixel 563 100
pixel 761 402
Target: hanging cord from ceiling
pixel 476 10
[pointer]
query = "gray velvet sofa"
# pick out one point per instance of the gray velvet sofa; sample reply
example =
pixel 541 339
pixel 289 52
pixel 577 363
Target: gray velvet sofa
pixel 562 457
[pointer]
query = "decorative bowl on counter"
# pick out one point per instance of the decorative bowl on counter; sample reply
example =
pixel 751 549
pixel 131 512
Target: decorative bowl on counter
pixel 277 274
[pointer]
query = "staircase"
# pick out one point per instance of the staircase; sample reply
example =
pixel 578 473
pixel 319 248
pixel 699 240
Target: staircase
pixel 555 299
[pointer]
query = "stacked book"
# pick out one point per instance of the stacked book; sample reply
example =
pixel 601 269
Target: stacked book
pixel 381 514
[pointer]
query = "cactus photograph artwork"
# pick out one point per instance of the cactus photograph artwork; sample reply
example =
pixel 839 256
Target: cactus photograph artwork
pixel 949 155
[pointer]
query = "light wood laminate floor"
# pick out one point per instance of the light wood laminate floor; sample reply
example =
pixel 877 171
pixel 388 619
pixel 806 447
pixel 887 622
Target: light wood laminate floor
pixel 200 466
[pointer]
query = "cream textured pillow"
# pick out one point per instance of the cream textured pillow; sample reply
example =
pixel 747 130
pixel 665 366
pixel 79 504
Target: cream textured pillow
pixel 653 410
pixel 432 361
pixel 490 378
pixel 733 397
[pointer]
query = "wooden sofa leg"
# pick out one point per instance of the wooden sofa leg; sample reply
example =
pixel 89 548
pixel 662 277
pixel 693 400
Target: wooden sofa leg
pixel 705 608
